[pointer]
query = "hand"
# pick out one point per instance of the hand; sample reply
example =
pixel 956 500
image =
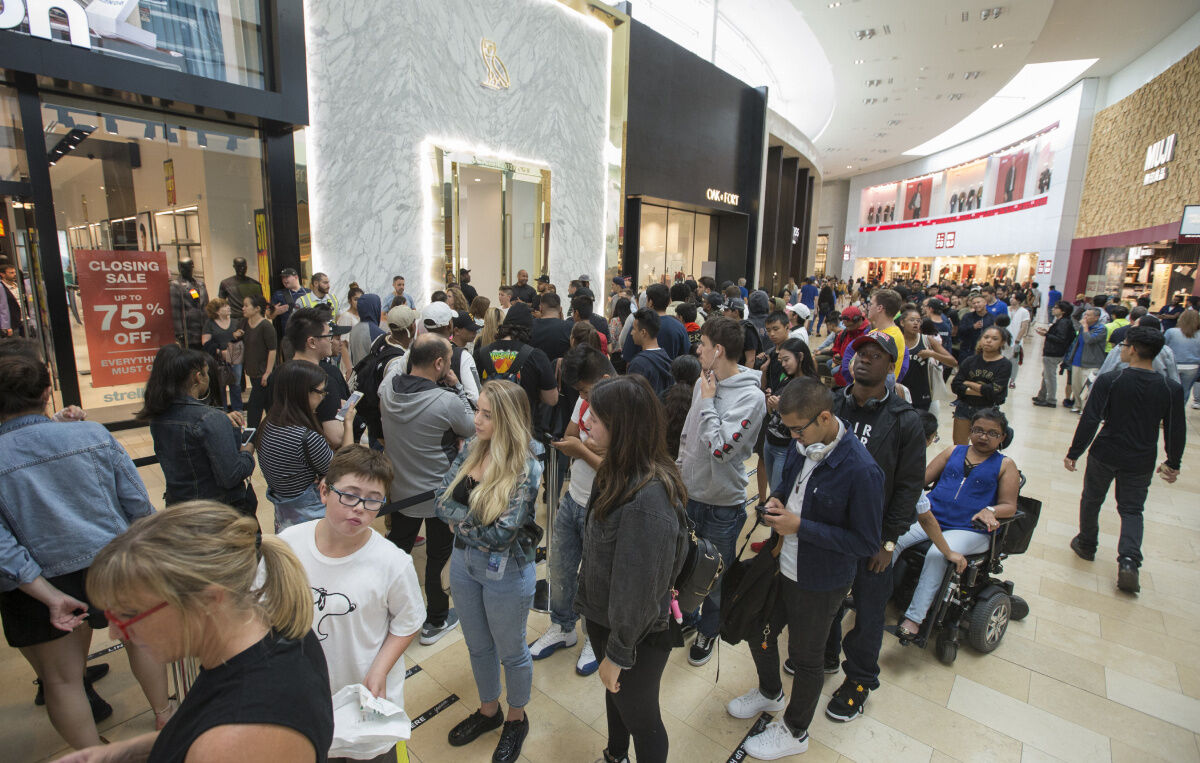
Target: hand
pixel 988 517
pixel 348 419
pixel 772 402
pixel 63 612
pixel 376 684
pixel 708 385
pixel 450 378
pixel 780 519
pixel 759 359
pixel 280 308
pixel 609 675
pixel 978 325
pixel 1042 330
pixel 263 383
pixel 103 753
pixel 1167 473
pixel 880 561
pixel 236 419
pixel 1069 464
pixel 238 334
pixel 958 560
pixel 571 446
pixel 924 354
pixel 71 413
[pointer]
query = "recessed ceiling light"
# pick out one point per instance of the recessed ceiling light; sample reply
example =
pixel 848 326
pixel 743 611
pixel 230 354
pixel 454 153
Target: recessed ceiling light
pixel 864 34
pixel 874 82
pixel 998 45
pixel 955 97
pixel 893 122
pixel 858 61
pixel 870 101
pixel 834 5
pixel 476 180
pixel 971 75
pixel 849 166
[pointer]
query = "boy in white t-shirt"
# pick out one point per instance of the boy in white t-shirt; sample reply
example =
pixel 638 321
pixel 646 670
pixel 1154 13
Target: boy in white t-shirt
pixel 367 604
pixel 582 367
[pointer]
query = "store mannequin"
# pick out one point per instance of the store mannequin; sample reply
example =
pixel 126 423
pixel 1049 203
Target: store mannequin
pixel 915 204
pixel 188 298
pixel 237 287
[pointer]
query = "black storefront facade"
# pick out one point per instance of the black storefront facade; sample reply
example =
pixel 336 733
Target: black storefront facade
pixel 693 165
pixel 135 137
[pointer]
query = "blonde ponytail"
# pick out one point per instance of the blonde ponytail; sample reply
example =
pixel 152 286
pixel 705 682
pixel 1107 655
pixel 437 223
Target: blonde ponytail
pixel 179 555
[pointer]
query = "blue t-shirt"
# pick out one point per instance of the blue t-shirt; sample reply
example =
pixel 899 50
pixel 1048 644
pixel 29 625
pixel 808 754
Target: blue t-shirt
pixel 997 308
pixel 1052 296
pixel 808 295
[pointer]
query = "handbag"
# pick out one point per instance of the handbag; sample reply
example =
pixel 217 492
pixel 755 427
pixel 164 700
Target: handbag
pixel 939 391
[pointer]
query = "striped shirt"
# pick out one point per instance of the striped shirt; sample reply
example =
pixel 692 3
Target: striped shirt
pixel 292 458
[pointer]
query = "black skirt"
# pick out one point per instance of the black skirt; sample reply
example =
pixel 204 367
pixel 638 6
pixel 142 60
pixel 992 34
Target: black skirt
pixel 27 620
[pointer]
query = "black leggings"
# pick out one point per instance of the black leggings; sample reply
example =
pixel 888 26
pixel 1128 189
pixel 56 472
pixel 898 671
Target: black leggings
pixel 634 710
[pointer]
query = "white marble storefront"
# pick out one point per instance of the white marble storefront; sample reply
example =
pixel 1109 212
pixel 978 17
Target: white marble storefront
pixel 388 81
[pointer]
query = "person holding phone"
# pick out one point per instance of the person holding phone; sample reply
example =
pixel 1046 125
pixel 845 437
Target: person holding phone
pixel 197 446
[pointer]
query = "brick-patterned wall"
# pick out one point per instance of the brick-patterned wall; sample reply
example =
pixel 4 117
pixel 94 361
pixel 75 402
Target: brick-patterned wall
pixel 1114 199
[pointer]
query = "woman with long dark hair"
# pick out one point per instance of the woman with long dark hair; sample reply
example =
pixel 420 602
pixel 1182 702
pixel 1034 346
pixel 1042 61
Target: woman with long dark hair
pixel 197 446
pixel 633 549
pixel 292 449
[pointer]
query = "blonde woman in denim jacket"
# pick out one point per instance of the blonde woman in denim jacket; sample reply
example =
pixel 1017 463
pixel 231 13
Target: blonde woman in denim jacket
pixel 488 499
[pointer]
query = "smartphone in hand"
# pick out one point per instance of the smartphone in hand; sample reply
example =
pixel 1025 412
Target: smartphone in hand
pixel 248 435
pixel 346 406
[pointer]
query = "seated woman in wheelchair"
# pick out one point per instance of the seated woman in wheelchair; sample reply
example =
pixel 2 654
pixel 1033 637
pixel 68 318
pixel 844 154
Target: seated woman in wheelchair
pixel 975 484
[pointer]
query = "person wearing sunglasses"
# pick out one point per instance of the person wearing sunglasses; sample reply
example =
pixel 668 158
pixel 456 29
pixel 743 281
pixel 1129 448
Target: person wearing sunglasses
pixel 199 580
pixel 65 491
pixel 975 483
pixel 292 451
pixel 368 607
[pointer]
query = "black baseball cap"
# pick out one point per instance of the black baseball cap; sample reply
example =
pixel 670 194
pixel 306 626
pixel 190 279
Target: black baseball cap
pixel 465 321
pixel 881 338
pixel 543 278
pixel 338 330
pixel 288 272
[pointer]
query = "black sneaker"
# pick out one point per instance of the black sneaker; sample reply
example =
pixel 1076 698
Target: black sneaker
pixel 101 710
pixel 1044 404
pixel 1127 575
pixel 847 702
pixel 92 674
pixel 702 649
pixel 1080 551
pixel 469 729
pixel 511 739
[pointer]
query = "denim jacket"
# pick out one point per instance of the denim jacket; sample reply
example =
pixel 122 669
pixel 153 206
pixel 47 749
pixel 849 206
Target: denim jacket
pixel 515 530
pixel 200 455
pixel 66 490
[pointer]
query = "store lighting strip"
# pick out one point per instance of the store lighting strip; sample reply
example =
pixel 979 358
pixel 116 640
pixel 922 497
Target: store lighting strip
pixel 192 208
pixel 1020 206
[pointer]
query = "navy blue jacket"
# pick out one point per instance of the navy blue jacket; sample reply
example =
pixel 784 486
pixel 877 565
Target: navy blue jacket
pixel 843 513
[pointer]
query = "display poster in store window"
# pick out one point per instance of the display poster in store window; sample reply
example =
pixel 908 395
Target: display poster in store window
pixel 127 312
pixel 1010 177
pixel 262 243
pixel 916 199
pixel 169 178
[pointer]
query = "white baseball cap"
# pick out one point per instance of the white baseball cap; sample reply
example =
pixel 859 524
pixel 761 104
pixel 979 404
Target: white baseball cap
pixel 437 315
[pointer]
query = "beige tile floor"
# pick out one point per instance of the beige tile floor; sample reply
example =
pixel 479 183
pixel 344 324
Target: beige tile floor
pixel 1092 674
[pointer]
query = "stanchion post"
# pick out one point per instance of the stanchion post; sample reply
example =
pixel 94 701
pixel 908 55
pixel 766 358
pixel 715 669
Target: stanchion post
pixel 541 592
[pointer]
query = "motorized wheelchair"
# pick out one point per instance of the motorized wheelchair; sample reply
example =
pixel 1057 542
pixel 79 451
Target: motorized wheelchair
pixel 976 601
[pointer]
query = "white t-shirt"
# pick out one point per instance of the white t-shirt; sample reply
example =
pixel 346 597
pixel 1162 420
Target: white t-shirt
pixel 1018 317
pixel 800 333
pixel 582 473
pixel 795 504
pixel 357 601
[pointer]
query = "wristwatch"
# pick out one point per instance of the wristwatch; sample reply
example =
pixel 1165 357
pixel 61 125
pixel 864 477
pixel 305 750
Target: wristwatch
pixel 889 546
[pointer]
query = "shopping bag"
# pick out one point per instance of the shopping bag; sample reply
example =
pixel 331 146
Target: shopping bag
pixel 365 725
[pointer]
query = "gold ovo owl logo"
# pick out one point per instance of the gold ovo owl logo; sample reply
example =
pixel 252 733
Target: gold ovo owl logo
pixel 497 72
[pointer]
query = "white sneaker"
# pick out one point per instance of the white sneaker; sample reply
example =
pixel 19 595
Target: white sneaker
pixel 750 704
pixel 587 664
pixel 775 742
pixel 551 641
pixel 1196 403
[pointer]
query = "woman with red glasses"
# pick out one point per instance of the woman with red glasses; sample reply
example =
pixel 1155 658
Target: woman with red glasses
pixel 66 489
pixel 198 580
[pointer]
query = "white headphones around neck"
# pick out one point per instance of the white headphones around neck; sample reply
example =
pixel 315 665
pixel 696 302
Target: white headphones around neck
pixel 814 452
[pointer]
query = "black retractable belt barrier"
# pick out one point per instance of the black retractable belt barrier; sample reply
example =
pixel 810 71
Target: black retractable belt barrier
pixel 541 592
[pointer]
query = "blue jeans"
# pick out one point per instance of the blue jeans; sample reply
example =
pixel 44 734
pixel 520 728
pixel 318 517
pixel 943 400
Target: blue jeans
pixel 720 525
pixel 1187 379
pixel 963 541
pixel 293 511
pixel 235 387
pixel 773 458
pixel 566 551
pixel 493 615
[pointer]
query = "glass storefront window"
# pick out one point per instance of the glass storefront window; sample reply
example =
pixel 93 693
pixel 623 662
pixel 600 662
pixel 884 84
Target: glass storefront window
pixel 216 39
pixel 13 168
pixel 139 200
pixel 672 241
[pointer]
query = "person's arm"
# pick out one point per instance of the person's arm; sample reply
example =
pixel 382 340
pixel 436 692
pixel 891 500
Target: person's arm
pixel 1089 421
pixel 320 452
pixel 931 527
pixel 445 507
pixel 347 429
pixel 260 742
pixel 468 375
pixel 742 418
pixel 996 391
pixel 230 463
pixel 900 508
pixel 1095 335
pixel 934 469
pixel 460 416
pixel 391 651
pixel 1175 429
pixel 958 385
pixel 131 491
pixel 940 353
pixel 205 339
pixel 135 750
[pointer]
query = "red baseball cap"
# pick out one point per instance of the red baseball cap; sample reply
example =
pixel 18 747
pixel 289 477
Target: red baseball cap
pixel 851 312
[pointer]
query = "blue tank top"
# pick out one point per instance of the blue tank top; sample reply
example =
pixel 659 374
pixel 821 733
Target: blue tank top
pixel 958 497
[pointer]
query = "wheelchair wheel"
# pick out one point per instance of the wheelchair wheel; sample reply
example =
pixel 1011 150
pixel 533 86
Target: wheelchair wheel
pixel 989 621
pixel 947 650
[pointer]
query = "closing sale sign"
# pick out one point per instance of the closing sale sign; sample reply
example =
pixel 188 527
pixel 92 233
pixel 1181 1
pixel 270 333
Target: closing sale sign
pixel 126 302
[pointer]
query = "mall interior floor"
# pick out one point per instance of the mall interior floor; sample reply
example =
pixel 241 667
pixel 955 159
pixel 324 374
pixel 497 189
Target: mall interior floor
pixel 1092 674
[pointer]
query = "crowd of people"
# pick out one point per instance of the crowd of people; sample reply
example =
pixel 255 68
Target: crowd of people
pixel 439 420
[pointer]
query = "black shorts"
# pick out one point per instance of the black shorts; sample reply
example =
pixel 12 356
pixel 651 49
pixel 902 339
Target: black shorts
pixel 965 411
pixel 27 620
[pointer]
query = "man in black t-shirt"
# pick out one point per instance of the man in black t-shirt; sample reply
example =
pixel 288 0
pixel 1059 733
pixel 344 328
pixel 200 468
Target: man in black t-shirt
pixel 521 290
pixel 512 357
pixel 311 335
pixel 550 333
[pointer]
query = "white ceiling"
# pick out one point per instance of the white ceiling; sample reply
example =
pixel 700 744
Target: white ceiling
pixel 806 53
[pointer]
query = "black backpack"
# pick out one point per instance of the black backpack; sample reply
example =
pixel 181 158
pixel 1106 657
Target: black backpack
pixel 368 373
pixel 748 593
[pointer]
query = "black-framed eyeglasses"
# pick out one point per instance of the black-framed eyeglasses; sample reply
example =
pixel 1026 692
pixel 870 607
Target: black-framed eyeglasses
pixel 798 431
pixel 350 499
pixel 323 336
pixel 977 432
pixel 1126 344
pixel 322 391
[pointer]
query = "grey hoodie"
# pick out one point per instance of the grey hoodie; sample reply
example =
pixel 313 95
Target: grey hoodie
pixel 422 422
pixel 718 436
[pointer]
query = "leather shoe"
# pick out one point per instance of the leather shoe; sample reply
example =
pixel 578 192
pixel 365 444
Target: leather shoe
pixel 1127 575
pixel 473 726
pixel 511 740
pixel 1080 551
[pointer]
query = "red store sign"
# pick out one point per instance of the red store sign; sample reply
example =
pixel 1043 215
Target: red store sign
pixel 127 312
pixel 944 241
